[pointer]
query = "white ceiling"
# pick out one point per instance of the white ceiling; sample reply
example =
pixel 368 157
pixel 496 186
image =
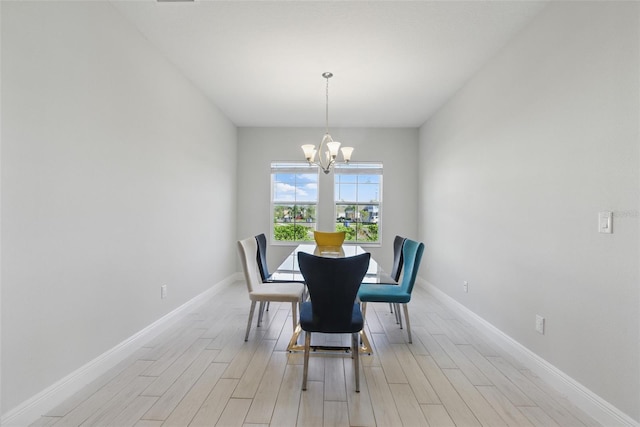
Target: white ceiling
pixel 394 62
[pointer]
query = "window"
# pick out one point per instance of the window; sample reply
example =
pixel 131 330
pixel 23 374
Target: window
pixel 358 197
pixel 294 201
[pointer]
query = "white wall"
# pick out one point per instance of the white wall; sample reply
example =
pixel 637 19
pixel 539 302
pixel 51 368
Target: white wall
pixel 396 148
pixel 118 176
pixel 513 172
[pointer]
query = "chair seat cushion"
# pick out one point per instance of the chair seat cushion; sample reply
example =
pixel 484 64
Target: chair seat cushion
pixel 383 293
pixel 308 323
pixel 277 292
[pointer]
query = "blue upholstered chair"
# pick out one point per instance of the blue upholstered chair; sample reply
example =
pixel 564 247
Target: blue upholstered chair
pixel 333 286
pixel 261 257
pixel 401 293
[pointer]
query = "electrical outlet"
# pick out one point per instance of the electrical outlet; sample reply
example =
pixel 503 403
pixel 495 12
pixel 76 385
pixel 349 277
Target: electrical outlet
pixel 465 286
pixel 163 291
pixel 539 324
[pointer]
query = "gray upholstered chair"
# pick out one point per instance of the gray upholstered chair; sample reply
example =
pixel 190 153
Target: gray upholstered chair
pixel 265 292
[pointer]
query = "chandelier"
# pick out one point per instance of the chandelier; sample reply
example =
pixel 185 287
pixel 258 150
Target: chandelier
pixel 327 151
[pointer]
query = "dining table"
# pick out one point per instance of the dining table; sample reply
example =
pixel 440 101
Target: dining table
pixel 289 270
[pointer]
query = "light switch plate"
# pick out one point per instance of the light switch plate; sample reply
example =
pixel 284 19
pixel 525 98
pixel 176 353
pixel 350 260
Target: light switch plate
pixel 605 222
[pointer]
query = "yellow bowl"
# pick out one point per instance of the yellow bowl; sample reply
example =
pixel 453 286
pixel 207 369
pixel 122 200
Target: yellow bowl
pixel 324 238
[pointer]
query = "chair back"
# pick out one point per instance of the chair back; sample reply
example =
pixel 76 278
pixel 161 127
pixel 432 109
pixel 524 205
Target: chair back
pixel 333 285
pixel 329 238
pixel 412 255
pixel 396 268
pixel 247 249
pixel 261 256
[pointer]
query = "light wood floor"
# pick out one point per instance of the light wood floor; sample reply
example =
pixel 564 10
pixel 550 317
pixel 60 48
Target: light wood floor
pixel 202 373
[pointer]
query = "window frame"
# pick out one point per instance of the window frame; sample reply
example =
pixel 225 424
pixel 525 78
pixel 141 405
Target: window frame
pixel 360 168
pixel 283 167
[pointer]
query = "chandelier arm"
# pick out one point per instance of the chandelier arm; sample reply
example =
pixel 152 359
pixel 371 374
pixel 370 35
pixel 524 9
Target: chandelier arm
pixel 325 160
pixel 321 154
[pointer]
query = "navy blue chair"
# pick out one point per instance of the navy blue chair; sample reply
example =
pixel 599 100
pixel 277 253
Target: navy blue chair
pixel 261 258
pixel 396 268
pixel 401 293
pixel 333 285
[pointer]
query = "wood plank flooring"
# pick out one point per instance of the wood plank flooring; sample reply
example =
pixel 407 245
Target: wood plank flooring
pixel 200 372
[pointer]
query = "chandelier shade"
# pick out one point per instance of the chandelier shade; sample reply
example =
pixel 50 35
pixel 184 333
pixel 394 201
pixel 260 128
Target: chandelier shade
pixel 327 151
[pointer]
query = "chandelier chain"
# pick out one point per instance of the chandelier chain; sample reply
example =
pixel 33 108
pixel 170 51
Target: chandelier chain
pixel 327 107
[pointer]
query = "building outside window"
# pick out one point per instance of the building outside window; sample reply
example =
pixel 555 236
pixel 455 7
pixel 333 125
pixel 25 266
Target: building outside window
pixel 358 199
pixel 294 201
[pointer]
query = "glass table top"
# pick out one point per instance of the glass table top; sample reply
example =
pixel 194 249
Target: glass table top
pixel 290 271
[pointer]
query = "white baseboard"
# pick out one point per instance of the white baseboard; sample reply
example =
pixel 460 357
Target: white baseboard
pixel 30 410
pixel 601 410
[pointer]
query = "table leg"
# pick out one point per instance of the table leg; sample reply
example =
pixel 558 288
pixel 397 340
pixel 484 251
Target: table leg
pixel 293 343
pixel 365 345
